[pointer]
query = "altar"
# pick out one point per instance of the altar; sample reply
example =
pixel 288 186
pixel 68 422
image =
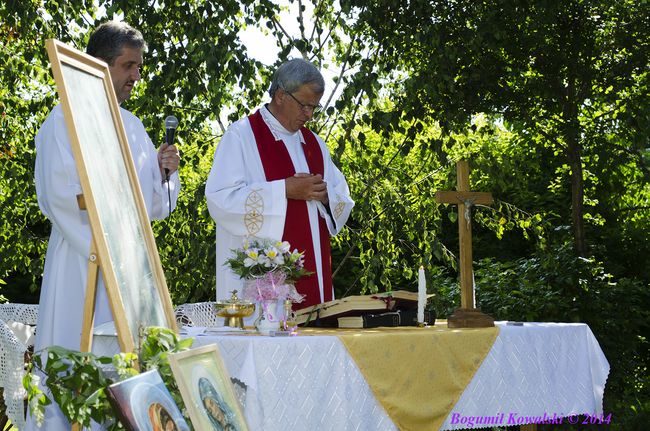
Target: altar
pixel 532 373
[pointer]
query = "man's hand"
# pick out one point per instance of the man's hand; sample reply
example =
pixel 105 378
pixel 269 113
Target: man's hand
pixel 168 158
pixel 306 187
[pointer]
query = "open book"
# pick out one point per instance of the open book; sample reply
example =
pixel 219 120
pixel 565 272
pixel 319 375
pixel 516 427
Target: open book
pixel 327 313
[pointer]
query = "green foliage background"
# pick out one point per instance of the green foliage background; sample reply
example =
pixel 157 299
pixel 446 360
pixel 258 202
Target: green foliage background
pixel 548 100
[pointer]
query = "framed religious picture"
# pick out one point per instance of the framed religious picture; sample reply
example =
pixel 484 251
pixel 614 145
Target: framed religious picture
pixel 207 390
pixel 123 245
pixel 143 403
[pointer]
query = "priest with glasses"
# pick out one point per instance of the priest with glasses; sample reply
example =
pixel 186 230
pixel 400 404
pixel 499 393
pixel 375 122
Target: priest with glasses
pixel 274 178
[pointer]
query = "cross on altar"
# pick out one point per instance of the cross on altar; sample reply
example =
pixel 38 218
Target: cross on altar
pixel 467 316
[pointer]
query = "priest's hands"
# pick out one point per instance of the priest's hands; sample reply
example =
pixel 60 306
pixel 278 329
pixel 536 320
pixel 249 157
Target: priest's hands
pixel 168 158
pixel 306 187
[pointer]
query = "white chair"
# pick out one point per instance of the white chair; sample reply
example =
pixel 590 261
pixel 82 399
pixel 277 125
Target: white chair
pixel 17 322
pixel 197 314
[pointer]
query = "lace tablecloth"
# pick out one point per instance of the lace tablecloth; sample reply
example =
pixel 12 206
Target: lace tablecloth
pixel 17 323
pixel 308 383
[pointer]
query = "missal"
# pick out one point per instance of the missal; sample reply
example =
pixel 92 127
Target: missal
pixel 388 319
pixel 328 313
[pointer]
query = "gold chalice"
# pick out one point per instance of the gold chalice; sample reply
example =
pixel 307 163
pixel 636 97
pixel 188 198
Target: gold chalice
pixel 234 310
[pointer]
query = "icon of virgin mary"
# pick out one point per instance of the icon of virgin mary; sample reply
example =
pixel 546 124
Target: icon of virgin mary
pixel 221 415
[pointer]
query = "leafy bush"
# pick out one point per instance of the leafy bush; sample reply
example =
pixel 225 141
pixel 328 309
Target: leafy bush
pixel 555 285
pixel 77 381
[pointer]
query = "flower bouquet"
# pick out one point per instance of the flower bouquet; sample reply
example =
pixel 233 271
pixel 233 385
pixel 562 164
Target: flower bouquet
pixel 270 269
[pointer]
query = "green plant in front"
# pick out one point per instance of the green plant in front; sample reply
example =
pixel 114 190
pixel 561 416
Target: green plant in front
pixel 77 381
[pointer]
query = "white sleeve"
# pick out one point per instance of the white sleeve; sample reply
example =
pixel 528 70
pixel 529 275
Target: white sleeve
pixel 162 190
pixel 174 186
pixel 57 184
pixel 239 197
pixel 340 202
pixel 155 191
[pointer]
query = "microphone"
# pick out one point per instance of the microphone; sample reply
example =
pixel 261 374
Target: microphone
pixel 171 123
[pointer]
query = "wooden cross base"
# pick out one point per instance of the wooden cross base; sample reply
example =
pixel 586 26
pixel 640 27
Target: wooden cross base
pixel 469 318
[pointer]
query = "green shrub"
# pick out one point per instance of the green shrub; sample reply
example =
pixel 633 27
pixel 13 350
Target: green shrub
pixel 77 381
pixel 555 285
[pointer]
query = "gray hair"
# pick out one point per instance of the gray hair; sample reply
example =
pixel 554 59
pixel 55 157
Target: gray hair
pixel 108 40
pixel 293 74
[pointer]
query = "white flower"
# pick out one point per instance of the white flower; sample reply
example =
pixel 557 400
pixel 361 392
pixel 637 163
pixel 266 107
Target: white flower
pixel 283 246
pixel 274 256
pixel 261 256
pixel 264 260
pixel 252 257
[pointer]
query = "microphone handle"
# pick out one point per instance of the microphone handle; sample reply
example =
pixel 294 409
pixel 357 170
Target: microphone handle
pixel 169 139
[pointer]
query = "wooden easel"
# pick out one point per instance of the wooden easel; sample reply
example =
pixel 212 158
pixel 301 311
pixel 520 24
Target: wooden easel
pixel 91 294
pixel 89 304
pixel 91 291
pixel 133 276
pixel 467 316
pixel 88 323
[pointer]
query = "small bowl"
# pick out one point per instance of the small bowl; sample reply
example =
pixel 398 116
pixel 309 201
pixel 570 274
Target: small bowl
pixel 230 309
pixel 234 310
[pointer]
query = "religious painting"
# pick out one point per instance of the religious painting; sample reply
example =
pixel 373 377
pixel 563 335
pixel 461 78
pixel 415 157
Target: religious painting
pixel 143 403
pixel 207 390
pixel 123 240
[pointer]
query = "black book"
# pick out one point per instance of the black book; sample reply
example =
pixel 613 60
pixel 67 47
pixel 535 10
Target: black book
pixel 410 317
pixel 370 320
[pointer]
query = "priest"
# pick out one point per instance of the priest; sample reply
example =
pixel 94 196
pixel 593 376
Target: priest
pixel 61 306
pixel 274 178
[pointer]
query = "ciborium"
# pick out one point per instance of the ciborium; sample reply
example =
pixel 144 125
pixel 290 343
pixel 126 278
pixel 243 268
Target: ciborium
pixel 234 310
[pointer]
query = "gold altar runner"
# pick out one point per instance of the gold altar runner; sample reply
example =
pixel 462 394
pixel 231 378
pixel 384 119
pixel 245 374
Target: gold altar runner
pixel 417 374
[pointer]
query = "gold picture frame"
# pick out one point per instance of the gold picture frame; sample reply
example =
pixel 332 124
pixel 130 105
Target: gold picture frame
pixel 207 390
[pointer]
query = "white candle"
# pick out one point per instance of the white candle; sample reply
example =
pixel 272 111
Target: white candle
pixel 422 294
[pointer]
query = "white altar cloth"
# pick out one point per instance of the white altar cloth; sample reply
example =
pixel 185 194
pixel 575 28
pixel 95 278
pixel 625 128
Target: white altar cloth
pixel 312 383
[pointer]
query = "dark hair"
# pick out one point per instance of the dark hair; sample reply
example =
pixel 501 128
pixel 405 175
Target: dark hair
pixel 295 73
pixel 108 40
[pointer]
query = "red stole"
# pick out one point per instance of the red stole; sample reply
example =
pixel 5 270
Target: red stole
pixel 278 166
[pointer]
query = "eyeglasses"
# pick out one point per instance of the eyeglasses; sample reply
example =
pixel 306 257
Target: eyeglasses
pixel 305 107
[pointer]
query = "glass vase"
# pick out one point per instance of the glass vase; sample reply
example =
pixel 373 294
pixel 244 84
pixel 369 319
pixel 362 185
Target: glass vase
pixel 271 314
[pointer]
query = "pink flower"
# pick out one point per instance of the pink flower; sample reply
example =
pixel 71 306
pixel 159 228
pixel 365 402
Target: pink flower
pixel 271 286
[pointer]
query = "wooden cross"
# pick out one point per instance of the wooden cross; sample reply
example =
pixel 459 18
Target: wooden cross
pixel 467 316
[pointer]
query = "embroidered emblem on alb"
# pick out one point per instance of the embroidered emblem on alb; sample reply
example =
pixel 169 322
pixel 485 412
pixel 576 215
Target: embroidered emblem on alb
pixel 253 219
pixel 340 206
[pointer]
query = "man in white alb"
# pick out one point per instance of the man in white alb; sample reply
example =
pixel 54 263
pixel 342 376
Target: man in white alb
pixel 60 312
pixel 274 178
